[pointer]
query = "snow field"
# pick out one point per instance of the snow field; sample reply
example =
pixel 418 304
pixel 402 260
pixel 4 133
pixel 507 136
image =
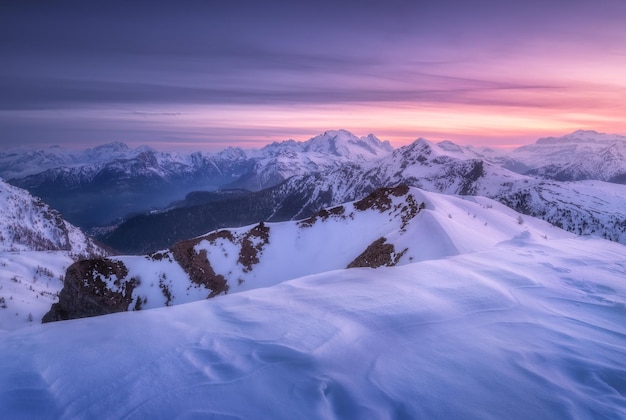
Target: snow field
pixel 527 329
pixel 29 284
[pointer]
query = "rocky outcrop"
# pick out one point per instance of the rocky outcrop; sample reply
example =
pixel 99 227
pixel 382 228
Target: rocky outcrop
pixel 380 199
pixel 197 265
pixel 85 292
pixel 378 254
pixel 252 244
pixel 102 286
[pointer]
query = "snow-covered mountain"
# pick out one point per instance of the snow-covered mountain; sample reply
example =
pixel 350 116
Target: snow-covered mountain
pixel 577 156
pixel 97 186
pixel 326 170
pixel 109 184
pixel 36 247
pixel 279 161
pixel 28 224
pixel 270 164
pixel 495 316
pixel 19 163
pixel 388 227
pixel 586 207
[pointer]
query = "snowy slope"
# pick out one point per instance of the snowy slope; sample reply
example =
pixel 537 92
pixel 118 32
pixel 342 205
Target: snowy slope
pixel 526 328
pixel 36 247
pixel 28 224
pixel 388 227
pixel 30 282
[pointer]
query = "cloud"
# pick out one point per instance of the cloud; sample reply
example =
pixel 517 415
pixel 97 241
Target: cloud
pixel 156 114
pixel 146 61
pixel 24 94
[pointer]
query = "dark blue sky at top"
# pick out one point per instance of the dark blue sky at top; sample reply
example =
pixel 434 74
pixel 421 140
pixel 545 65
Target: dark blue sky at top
pixel 82 72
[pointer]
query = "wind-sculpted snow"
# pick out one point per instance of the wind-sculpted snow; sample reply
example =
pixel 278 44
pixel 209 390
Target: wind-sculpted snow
pixel 391 226
pixel 527 328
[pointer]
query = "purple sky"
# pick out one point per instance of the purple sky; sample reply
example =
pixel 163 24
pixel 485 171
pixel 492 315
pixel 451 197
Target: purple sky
pixel 205 75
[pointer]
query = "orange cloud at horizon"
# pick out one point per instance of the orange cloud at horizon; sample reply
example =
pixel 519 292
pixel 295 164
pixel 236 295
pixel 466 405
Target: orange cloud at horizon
pixel 480 125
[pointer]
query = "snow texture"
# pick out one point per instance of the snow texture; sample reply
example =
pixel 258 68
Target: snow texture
pixel 30 282
pixel 526 328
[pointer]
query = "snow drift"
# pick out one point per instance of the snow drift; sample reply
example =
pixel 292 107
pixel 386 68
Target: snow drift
pixel 527 328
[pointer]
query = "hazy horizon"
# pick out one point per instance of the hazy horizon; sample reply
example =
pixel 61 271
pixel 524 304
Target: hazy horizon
pixel 182 147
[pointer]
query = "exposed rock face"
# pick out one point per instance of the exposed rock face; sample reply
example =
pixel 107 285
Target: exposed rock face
pixel 377 254
pixel 103 286
pixel 253 243
pixel 323 215
pixel 85 293
pixel 380 199
pixel 197 265
pixel 475 171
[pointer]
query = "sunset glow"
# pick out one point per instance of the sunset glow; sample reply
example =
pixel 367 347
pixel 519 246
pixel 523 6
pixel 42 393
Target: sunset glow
pixel 495 73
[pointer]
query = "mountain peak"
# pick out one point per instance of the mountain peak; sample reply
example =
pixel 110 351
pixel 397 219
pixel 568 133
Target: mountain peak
pixel 332 142
pixel 421 145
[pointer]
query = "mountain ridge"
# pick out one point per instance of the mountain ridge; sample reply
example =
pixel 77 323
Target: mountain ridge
pixel 384 229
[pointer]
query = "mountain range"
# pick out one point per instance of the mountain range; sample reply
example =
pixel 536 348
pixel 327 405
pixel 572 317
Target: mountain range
pixel 97 186
pixel 583 207
pixel 104 185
